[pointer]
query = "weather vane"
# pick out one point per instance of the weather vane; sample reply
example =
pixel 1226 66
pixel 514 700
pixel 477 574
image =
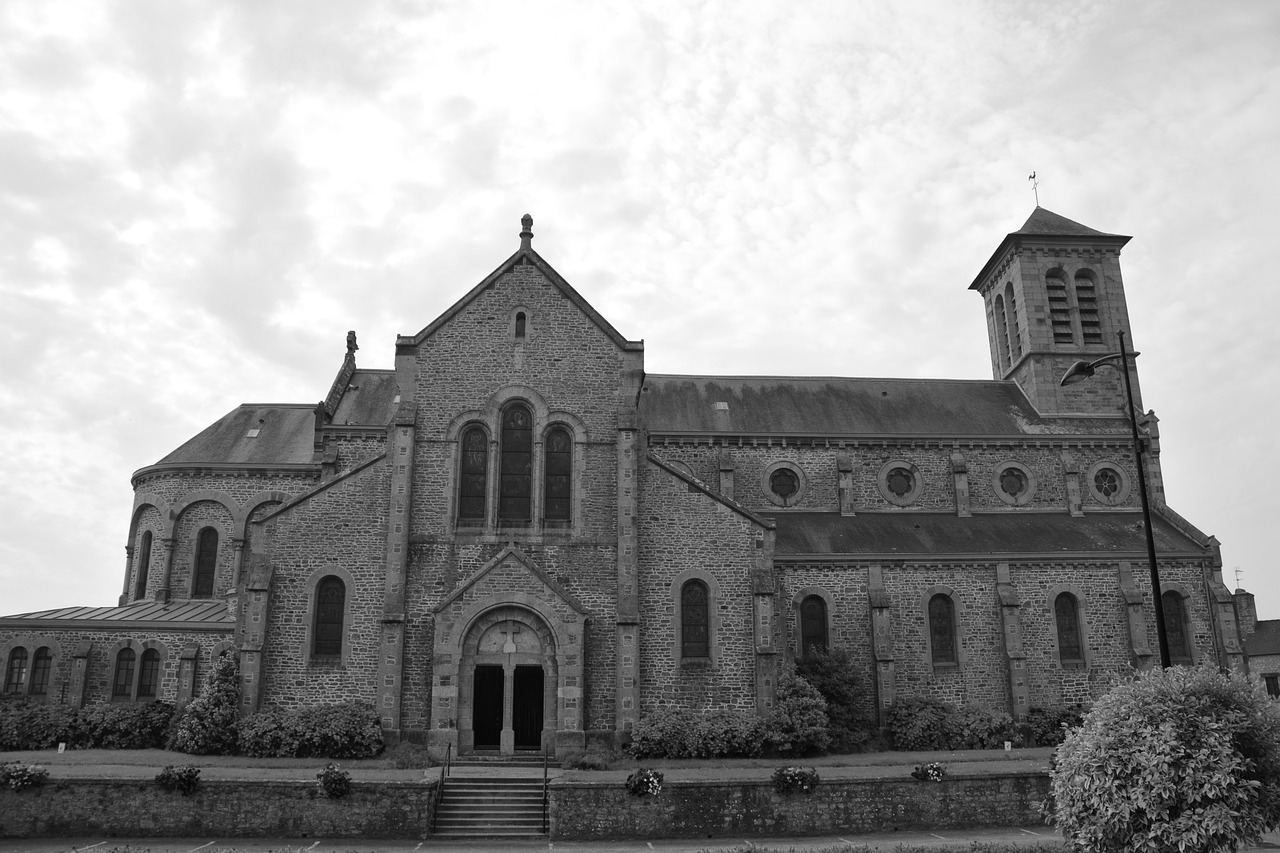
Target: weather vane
pixel 1035 186
pixel 1237 577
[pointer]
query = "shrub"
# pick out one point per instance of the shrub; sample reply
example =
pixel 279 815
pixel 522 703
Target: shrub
pixel 320 731
pixel 1183 759
pixel 333 781
pixel 920 723
pixel 20 777
pixel 124 726
pixel 27 725
pixel 207 726
pixel 184 780
pixel 934 771
pixel 972 727
pixel 832 673
pixel 645 782
pixel 789 779
pixel 1049 726
pixel 798 724
pixel 679 733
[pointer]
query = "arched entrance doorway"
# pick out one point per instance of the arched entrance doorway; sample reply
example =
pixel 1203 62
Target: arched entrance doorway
pixel 507 683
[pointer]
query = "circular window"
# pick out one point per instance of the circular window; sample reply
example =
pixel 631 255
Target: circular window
pixel 783 483
pixel 1108 483
pixel 1014 483
pixel 900 483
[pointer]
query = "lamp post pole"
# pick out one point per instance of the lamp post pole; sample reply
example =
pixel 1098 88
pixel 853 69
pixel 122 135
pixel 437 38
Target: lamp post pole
pixel 1162 635
pixel 1083 370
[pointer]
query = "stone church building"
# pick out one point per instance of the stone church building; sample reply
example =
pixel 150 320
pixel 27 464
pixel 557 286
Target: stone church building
pixel 518 537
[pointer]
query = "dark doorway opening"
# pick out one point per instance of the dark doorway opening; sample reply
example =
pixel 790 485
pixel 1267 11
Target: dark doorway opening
pixel 486 715
pixel 526 707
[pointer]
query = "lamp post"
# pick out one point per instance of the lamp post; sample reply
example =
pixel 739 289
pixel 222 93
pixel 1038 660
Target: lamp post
pixel 1080 371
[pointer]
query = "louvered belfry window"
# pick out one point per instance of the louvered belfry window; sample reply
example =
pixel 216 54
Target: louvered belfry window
pixel 475 472
pixel 331 602
pixel 559 473
pixel 695 623
pixel 516 480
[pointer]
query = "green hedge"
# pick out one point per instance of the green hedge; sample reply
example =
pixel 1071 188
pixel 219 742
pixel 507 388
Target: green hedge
pixel 26 725
pixel 322 731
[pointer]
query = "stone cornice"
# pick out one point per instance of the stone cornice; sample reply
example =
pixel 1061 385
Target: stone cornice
pixel 306 470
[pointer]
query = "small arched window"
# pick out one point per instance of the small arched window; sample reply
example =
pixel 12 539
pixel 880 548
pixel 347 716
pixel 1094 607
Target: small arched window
pixel 206 563
pixel 695 622
pixel 122 686
pixel 473 478
pixel 516 480
pixel 41 665
pixel 144 563
pixel 520 325
pixel 149 674
pixel 559 475
pixel 1066 612
pixel 15 675
pixel 1175 627
pixel 813 626
pixel 942 630
pixel 331 603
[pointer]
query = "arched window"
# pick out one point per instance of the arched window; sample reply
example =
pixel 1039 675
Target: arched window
pixel 559 475
pixel 331 603
pixel 122 686
pixel 206 563
pixel 813 626
pixel 473 477
pixel 695 622
pixel 1087 305
pixel 1015 338
pixel 1066 612
pixel 149 674
pixel 516 480
pixel 1002 332
pixel 15 676
pixel 942 629
pixel 41 665
pixel 520 324
pixel 144 563
pixel 1175 627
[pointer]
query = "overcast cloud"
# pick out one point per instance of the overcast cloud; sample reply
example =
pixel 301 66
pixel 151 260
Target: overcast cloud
pixel 198 200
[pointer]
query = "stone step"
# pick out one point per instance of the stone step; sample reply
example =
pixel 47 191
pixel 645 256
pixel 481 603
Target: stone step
pixel 494 807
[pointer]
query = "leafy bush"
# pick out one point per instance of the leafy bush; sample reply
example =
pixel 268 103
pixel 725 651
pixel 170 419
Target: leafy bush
pixel 28 725
pixel 789 779
pixel 972 727
pixel 920 723
pixel 680 733
pixel 184 779
pixel 832 673
pixel 934 771
pixel 1183 759
pixel 123 726
pixel 20 777
pixel 645 782
pixel 798 724
pixel 321 731
pixel 207 726
pixel 1049 726
pixel 333 781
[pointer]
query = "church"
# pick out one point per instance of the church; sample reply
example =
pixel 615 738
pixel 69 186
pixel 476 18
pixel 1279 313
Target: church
pixel 517 538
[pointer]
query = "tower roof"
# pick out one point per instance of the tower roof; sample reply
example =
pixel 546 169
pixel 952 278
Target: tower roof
pixel 1044 223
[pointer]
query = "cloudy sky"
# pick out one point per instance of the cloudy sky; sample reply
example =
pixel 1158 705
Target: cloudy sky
pixel 198 200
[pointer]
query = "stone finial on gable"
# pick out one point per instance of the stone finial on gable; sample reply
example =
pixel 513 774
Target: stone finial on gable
pixel 526 233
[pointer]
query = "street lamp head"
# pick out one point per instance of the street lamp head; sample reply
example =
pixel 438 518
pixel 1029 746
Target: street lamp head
pixel 1078 372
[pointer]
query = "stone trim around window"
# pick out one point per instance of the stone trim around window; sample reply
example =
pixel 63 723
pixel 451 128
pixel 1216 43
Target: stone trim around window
pixel 308 638
pixel 957 620
pixel 1121 483
pixel 1023 497
pixel 1082 625
pixel 797 635
pixel 908 497
pixel 713 619
pixel 767 484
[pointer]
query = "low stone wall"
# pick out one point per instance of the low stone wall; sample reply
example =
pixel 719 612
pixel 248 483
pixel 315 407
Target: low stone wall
pixel 138 808
pixel 585 810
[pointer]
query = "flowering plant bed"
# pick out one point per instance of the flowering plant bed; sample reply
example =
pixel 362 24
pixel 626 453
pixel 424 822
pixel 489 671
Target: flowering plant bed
pixel 645 782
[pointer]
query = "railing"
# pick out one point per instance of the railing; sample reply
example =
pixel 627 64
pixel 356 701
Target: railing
pixel 439 795
pixel 545 785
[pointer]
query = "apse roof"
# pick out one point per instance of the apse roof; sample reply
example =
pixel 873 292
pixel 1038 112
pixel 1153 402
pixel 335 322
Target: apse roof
pixel 252 434
pixel 174 615
pixel 795 405
pixel 908 533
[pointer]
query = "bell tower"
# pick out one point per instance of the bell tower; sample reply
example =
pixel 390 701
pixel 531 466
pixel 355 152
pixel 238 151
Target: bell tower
pixel 1053 296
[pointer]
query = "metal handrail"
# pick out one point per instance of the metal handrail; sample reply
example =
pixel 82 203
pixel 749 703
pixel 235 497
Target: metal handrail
pixel 545 786
pixel 439 794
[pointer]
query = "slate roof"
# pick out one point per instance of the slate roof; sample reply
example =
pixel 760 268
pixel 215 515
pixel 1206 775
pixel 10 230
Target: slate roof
pixel 930 533
pixel 369 399
pixel 174 616
pixel 1046 223
pixel 784 405
pixel 1265 639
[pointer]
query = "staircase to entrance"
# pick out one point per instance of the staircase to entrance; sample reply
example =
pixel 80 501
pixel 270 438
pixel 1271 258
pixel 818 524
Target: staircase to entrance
pixel 491 807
